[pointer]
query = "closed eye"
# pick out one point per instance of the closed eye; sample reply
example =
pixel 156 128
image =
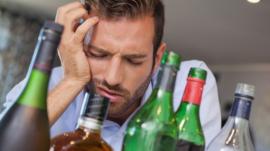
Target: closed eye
pixel 96 55
pixel 134 62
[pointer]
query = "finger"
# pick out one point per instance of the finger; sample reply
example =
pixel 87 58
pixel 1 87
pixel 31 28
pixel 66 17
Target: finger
pixel 71 21
pixel 73 17
pixel 83 29
pixel 62 10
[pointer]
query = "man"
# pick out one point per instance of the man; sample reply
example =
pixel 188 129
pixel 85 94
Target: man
pixel 118 46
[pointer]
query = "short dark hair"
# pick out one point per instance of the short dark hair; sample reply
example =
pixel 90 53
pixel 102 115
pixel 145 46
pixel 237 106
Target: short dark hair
pixel 133 9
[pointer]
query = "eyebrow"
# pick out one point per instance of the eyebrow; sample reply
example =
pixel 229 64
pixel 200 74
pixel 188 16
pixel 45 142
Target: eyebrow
pixel 99 49
pixel 135 56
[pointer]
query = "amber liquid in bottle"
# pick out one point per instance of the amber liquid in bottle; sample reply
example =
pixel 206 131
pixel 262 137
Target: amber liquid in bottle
pixel 88 134
pixel 91 142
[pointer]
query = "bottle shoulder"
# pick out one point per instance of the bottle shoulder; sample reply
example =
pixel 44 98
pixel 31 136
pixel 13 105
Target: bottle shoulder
pixel 93 141
pixel 234 135
pixel 64 139
pixel 154 110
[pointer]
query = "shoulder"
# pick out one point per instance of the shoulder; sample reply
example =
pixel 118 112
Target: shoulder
pixel 187 65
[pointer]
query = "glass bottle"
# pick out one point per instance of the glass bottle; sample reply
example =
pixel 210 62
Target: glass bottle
pixel 153 127
pixel 25 125
pixel 235 135
pixel 87 136
pixel 190 133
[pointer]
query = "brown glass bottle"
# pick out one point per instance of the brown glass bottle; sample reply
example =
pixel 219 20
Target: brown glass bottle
pixel 24 125
pixel 88 134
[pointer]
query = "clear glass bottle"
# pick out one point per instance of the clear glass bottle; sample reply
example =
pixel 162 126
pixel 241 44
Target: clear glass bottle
pixel 235 135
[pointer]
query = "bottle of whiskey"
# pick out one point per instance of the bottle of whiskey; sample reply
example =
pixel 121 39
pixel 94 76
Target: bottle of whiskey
pixel 87 136
pixel 25 125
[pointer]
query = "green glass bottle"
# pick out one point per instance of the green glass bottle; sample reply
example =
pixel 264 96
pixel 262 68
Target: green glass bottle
pixel 190 134
pixel 25 125
pixel 153 127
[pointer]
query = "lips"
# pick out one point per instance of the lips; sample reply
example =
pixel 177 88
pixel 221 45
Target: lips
pixel 113 96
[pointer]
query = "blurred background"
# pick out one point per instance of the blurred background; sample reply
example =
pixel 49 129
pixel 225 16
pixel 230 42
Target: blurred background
pixel 231 36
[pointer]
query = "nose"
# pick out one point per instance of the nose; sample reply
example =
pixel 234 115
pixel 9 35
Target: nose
pixel 114 74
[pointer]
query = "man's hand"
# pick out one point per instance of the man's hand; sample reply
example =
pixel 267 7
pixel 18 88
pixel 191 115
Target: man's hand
pixel 73 59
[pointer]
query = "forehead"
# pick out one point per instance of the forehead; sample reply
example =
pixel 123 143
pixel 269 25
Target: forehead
pixel 125 34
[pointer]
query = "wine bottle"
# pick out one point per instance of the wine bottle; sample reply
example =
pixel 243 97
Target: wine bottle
pixel 87 136
pixel 190 134
pixel 153 127
pixel 235 135
pixel 25 125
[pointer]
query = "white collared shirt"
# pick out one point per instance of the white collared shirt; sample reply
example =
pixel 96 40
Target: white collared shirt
pixel 112 132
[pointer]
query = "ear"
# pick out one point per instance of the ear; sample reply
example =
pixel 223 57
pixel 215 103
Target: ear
pixel 159 54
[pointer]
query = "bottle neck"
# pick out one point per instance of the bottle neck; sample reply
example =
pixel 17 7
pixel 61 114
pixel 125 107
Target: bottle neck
pixel 44 52
pixel 90 124
pixel 189 124
pixel 193 91
pixel 166 78
pixel 241 107
pixel 189 109
pixel 35 92
pixel 93 112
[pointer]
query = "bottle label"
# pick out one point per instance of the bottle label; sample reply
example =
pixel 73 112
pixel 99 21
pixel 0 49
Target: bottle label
pixel 35 92
pixel 193 91
pixel 241 108
pixel 96 107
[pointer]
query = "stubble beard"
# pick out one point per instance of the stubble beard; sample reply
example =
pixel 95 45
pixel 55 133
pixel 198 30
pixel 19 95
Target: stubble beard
pixel 119 110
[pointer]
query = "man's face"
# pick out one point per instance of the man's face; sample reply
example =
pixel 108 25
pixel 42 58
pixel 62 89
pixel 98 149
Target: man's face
pixel 121 60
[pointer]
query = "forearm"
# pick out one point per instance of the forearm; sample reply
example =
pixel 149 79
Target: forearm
pixel 61 96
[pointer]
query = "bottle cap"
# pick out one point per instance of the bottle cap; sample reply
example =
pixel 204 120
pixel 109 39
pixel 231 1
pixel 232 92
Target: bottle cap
pixel 174 60
pixel 245 89
pixel 197 73
pixel 53 26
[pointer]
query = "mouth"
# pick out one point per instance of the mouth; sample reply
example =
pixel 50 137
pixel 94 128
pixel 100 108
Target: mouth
pixel 113 96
